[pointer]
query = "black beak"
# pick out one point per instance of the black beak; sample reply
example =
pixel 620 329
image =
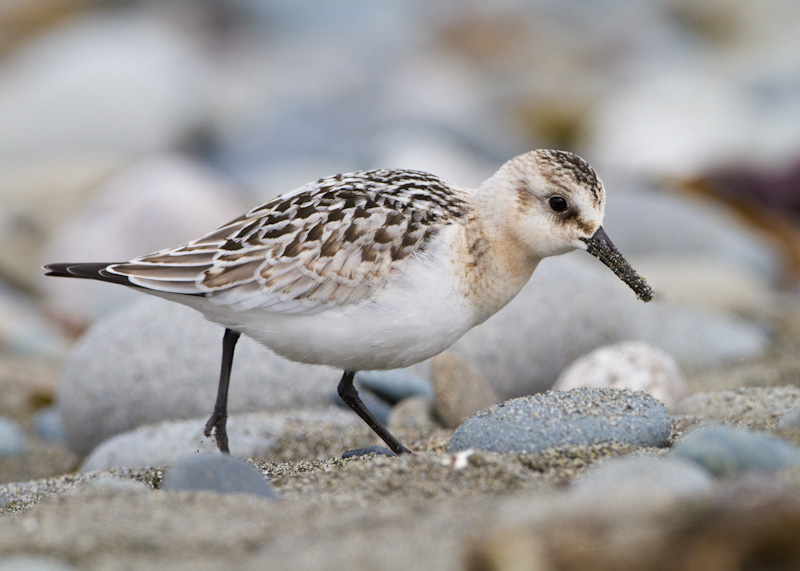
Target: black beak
pixel 601 247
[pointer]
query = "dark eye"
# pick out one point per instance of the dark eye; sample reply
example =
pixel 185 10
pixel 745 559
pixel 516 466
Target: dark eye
pixel 558 203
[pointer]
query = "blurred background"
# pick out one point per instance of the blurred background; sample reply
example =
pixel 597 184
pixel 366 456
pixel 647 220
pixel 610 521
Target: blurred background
pixel 129 126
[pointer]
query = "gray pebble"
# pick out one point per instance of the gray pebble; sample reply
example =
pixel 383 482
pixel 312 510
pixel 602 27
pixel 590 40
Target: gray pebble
pixel 379 450
pixel 579 417
pixel 668 477
pixel 728 451
pixel 414 413
pixel 48 425
pixel 460 390
pixel 12 439
pixel 155 361
pixel 395 385
pixel 217 473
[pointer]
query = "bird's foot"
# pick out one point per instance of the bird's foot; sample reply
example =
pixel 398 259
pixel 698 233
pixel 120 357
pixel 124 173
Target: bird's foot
pixel 217 423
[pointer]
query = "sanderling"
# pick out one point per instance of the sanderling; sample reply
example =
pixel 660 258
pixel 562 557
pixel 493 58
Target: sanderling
pixel 377 269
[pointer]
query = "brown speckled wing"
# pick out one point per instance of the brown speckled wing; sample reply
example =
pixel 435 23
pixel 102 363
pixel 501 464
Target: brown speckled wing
pixel 329 243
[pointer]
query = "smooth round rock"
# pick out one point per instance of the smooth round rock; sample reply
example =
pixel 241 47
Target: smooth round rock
pixel 728 451
pixel 217 473
pixel 460 390
pixel 12 439
pixel 155 361
pixel 632 365
pixel 48 425
pixel 669 477
pixel 367 450
pixel 580 417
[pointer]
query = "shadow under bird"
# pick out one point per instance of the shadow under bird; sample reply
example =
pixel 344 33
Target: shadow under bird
pixel 376 269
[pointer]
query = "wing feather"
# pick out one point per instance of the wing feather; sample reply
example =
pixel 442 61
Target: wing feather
pixel 329 243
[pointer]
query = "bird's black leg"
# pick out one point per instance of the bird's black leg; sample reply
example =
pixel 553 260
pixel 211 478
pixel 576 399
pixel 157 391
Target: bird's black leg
pixel 350 397
pixel 220 416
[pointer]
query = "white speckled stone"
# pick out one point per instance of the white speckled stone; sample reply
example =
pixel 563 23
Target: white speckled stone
pixel 632 365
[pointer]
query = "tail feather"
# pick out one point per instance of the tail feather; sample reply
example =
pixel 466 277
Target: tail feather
pixel 92 271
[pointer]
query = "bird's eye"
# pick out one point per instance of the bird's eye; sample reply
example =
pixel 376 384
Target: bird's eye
pixel 558 203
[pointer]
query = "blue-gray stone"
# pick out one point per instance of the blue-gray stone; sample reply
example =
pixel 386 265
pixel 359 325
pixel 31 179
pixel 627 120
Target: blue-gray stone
pixel 379 450
pixel 728 451
pixel 395 385
pixel 668 477
pixel 579 417
pixel 12 438
pixel 48 425
pixel 217 473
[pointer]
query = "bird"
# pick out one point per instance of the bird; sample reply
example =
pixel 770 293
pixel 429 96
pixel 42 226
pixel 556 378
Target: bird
pixel 376 269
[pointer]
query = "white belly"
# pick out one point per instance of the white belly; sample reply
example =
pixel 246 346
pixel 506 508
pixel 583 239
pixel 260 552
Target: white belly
pixel 419 314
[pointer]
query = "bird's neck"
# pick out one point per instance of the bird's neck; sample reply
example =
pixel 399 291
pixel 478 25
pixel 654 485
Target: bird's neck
pixel 495 266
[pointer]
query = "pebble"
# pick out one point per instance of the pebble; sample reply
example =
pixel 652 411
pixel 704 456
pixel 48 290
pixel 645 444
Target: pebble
pixel 155 361
pixel 580 417
pixel 697 337
pixel 24 330
pixel 412 413
pixel 667 477
pixel 395 385
pixel 727 451
pixel 632 365
pixel 287 435
pixel 217 473
pixel 12 439
pixel 357 452
pixel 460 390
pixel 48 425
